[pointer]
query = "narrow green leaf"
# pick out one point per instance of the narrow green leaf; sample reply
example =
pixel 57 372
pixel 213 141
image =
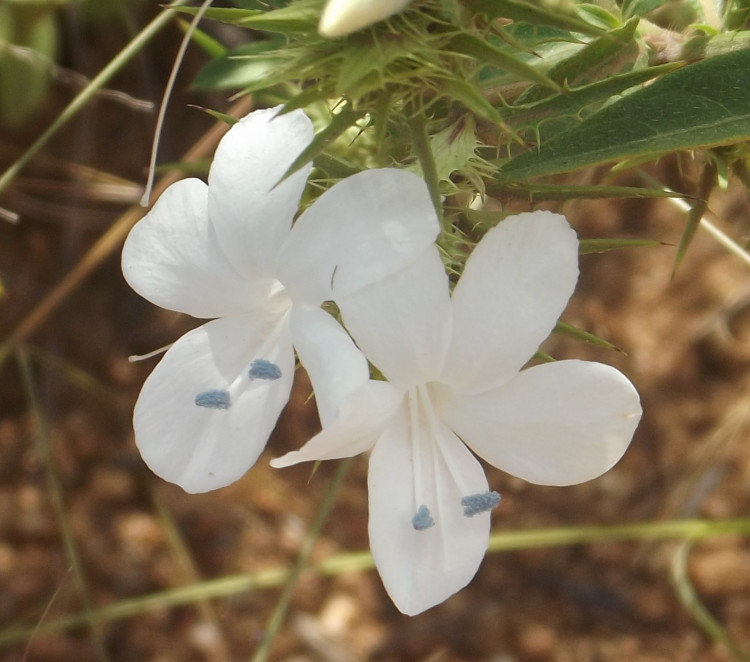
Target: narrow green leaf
pixel 340 122
pixel 701 105
pixel 589 246
pixel 707 183
pixel 334 167
pixel 303 99
pixel 579 334
pixel 466 44
pixel 301 16
pixel 641 7
pixel 606 56
pixel 538 192
pixel 232 16
pixel 470 97
pixel 210 46
pixel 222 117
pixel 242 67
pixel 574 101
pixel 28 41
pixel 534 13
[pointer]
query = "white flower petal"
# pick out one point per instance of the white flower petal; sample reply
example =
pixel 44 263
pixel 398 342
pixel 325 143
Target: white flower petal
pixel 515 284
pixel 417 481
pixel 250 208
pixel 335 366
pixel 171 257
pixel 365 228
pixel 558 423
pixel 202 448
pixel 402 323
pixel 363 416
pixel 341 17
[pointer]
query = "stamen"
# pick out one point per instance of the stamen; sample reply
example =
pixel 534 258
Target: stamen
pixel 214 399
pixel 479 503
pixel 422 520
pixel 262 369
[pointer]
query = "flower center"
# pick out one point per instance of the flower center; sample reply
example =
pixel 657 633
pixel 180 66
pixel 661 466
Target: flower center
pixel 261 368
pixel 429 437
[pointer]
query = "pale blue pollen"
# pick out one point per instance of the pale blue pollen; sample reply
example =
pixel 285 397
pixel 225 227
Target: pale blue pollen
pixel 262 369
pixel 216 398
pixel 422 520
pixel 479 503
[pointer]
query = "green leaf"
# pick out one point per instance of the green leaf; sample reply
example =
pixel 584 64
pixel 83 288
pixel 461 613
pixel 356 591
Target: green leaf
pixel 708 181
pixel 574 101
pixel 701 105
pixel 210 46
pixel 589 246
pixel 538 192
pixel 340 122
pixel 579 334
pixel 641 7
pixel 467 44
pixel 612 54
pixel 222 117
pixel 28 41
pixel 469 96
pixel 302 16
pixel 534 13
pixel 241 67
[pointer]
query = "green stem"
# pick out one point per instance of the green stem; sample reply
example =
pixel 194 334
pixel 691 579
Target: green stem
pixel 360 561
pixel 692 603
pixel 421 143
pixel 282 606
pixel 54 486
pixel 83 97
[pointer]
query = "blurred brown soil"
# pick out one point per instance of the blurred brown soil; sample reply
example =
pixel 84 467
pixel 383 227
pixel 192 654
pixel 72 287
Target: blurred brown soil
pixel 685 343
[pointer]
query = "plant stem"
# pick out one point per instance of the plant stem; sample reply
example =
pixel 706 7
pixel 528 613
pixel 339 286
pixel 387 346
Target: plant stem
pixel 421 143
pixel 85 95
pixel 359 561
pixel 282 606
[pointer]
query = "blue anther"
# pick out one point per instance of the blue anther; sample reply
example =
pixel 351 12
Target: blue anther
pixel 422 520
pixel 262 369
pixel 214 399
pixel 479 503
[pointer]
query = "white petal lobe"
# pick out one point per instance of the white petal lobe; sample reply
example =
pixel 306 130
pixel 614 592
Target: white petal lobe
pixel 335 366
pixel 250 207
pixel 172 258
pixel 363 416
pixel 402 323
pixel 185 431
pixel 515 285
pixel 417 467
pixel 366 227
pixel 558 423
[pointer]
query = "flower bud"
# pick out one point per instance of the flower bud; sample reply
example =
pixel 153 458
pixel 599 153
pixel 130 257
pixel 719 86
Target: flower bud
pixel 342 17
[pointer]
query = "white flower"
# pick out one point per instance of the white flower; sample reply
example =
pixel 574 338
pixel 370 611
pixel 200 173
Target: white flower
pixel 454 366
pixel 228 250
pixel 342 17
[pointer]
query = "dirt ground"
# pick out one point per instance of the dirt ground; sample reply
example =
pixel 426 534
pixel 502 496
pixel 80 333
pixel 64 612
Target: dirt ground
pixel 684 340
